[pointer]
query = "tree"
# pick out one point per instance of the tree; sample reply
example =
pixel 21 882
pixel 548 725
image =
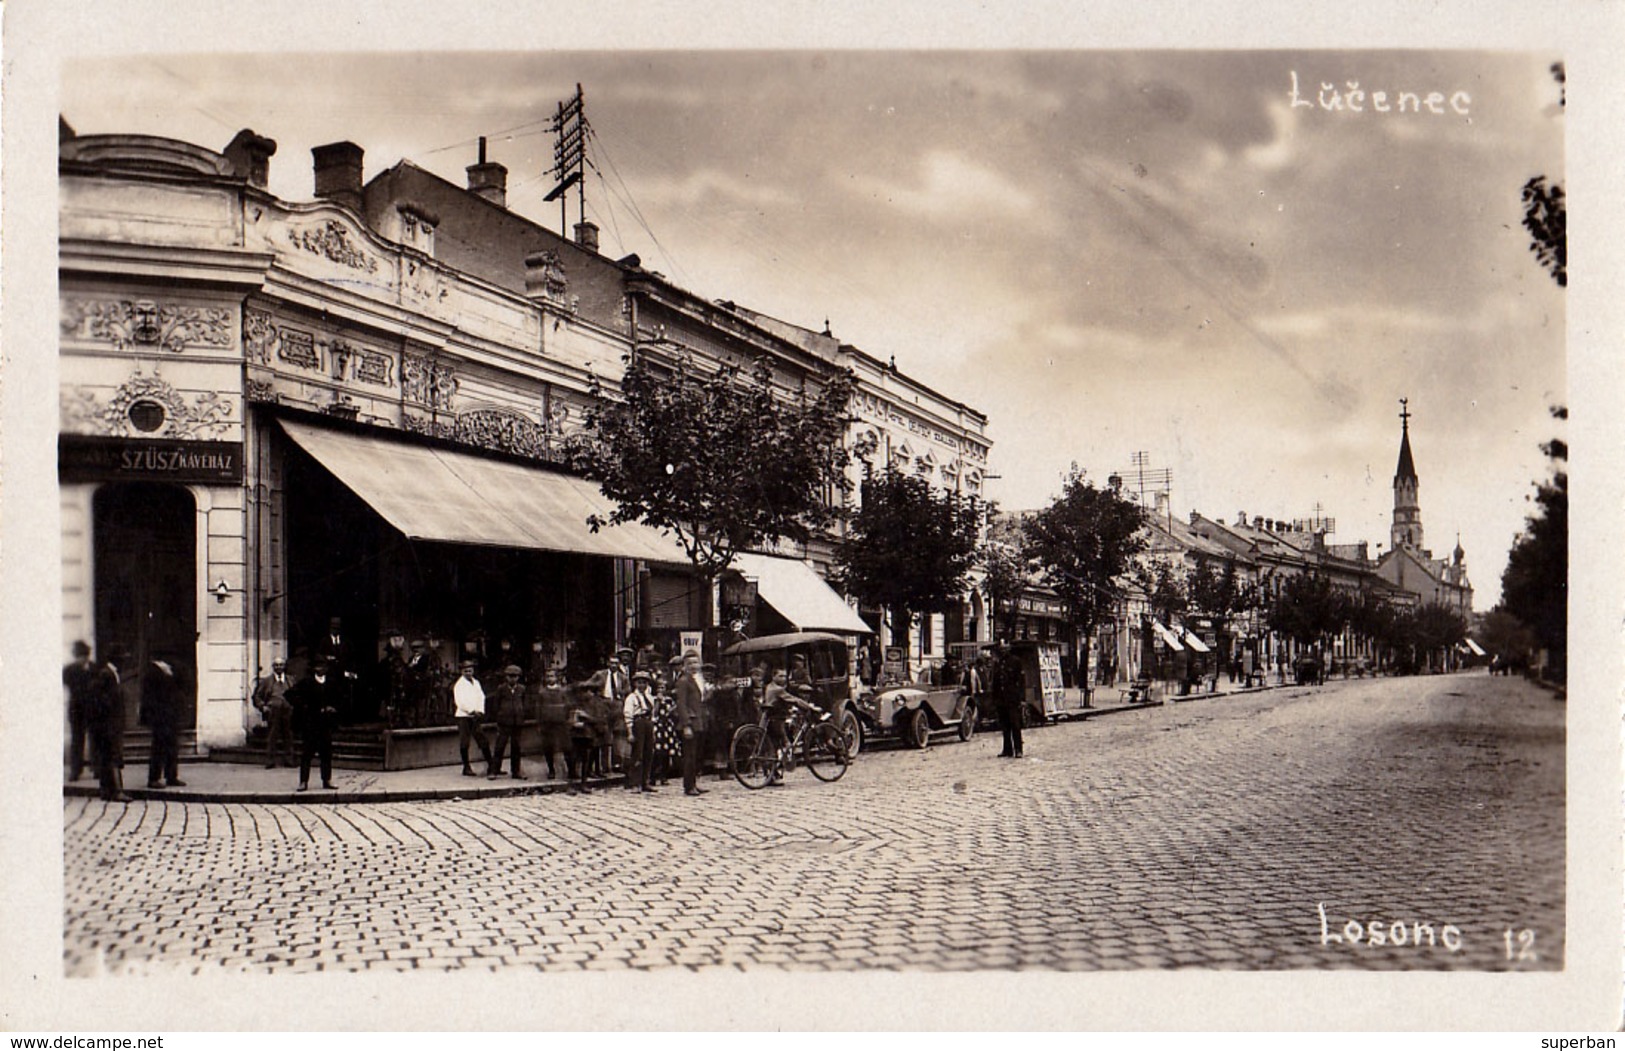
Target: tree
pixel 1545 212
pixel 723 460
pixel 1507 637
pixel 1084 542
pixel 1434 628
pixel 1220 594
pixel 1545 216
pixel 1308 609
pixel 1165 593
pixel 909 548
pixel 1006 569
pixel 1534 585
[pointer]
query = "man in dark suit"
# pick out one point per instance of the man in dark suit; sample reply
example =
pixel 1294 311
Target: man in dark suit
pixel 79 677
pixel 335 647
pixel 316 712
pixel 691 720
pixel 104 724
pixel 161 713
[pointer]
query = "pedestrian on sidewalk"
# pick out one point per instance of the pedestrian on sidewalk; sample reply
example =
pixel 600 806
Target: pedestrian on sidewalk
pixel 270 699
pixel 79 677
pixel 554 709
pixel 691 721
pixel 510 711
pixel 668 745
pixel 160 712
pixel 316 699
pixel 104 726
pixel 468 707
pixel 583 737
pixel 638 710
pixel 1010 688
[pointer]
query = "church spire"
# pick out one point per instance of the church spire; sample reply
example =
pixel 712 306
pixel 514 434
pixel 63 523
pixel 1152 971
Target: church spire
pixel 1406 530
pixel 1407 466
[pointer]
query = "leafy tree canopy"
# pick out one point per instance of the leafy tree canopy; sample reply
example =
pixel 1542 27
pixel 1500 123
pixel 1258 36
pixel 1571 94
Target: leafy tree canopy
pixel 909 547
pixel 1084 543
pixel 1007 568
pixel 1534 585
pixel 722 459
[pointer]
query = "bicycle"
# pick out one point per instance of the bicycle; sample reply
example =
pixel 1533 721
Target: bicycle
pixel 755 761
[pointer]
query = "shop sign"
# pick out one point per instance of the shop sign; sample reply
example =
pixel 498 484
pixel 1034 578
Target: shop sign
pixel 88 458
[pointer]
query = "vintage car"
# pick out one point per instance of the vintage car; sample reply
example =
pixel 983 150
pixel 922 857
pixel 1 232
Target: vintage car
pixel 819 669
pixel 913 712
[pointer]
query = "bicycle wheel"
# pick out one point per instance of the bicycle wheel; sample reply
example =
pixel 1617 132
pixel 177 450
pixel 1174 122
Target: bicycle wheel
pixel 825 752
pixel 750 757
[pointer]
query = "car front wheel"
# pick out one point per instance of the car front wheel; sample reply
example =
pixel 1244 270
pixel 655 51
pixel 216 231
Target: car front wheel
pixel 919 728
pixel 851 728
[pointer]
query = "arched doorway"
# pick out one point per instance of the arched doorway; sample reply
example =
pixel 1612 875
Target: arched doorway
pixel 145 544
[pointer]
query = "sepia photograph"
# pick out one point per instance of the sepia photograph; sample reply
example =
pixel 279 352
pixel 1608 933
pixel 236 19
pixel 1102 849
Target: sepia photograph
pixel 977 528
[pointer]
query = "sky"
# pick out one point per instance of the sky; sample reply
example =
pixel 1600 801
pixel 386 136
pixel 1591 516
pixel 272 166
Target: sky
pixel 1107 252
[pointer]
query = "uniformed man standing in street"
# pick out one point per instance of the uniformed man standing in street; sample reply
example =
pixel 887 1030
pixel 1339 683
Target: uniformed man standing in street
pixel 1010 686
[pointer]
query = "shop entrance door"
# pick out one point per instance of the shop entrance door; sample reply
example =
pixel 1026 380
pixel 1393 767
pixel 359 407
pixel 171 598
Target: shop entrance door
pixel 146 583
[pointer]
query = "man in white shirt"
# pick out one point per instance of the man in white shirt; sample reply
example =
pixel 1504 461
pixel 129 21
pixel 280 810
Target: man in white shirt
pixel 638 710
pixel 468 701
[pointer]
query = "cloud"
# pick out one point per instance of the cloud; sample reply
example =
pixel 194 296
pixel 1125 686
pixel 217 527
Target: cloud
pixel 948 185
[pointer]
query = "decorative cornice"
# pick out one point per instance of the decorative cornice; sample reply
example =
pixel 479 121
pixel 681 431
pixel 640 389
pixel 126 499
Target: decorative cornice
pixel 135 323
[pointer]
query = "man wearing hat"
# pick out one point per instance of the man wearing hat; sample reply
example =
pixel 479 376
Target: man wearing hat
pixel 691 691
pixel 422 679
pixel 104 719
pixel 271 701
pixel 508 707
pixel 161 713
pixel 468 703
pixel 638 710
pixel 315 701
pixel 80 679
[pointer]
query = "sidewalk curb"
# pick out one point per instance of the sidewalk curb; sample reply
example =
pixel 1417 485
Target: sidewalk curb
pixel 320 795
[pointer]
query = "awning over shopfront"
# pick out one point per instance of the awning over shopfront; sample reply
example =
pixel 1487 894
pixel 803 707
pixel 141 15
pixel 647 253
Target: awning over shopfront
pixel 460 498
pixel 1194 641
pixel 1478 651
pixel 1168 638
pixel 800 595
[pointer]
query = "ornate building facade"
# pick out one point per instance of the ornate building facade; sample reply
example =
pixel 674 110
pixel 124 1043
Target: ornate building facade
pixel 275 413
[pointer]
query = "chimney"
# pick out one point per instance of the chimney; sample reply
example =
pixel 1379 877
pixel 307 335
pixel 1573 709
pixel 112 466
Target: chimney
pixel 587 235
pixel 250 156
pixel 1162 505
pixel 338 173
pixel 489 181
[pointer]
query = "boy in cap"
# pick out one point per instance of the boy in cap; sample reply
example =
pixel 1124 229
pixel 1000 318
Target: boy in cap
pixel 638 710
pixel 508 700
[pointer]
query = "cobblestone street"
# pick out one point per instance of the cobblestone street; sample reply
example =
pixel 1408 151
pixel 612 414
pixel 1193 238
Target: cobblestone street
pixel 1258 831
